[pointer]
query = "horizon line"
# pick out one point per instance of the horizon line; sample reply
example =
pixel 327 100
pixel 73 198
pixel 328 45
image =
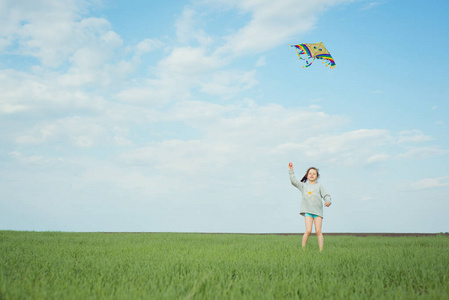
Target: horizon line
pixel 360 234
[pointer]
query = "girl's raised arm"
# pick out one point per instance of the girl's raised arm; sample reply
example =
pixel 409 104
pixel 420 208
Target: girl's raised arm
pixel 293 179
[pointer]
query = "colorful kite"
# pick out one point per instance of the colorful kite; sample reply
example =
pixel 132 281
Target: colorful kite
pixel 314 51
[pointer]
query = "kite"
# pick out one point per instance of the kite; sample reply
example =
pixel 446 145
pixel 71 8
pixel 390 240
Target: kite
pixel 314 51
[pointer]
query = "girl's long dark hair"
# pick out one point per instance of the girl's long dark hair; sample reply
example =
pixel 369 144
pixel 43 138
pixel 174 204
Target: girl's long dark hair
pixel 304 179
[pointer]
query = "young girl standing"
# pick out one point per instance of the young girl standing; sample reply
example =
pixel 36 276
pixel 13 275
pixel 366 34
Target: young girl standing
pixel 313 195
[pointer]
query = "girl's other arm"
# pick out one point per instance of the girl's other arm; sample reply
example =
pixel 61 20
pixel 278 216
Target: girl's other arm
pixel 326 196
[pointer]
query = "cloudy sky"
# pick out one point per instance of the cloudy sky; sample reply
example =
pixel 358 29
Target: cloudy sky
pixel 182 116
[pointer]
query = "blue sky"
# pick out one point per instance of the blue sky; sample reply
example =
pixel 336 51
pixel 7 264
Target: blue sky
pixel 182 116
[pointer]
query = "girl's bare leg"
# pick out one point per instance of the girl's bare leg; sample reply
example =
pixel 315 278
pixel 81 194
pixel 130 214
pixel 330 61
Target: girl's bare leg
pixel 309 224
pixel 318 223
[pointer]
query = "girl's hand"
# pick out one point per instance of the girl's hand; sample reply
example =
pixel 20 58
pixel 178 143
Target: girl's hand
pixel 327 204
pixel 290 165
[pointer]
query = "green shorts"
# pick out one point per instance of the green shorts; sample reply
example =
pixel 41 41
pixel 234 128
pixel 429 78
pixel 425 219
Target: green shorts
pixel 310 215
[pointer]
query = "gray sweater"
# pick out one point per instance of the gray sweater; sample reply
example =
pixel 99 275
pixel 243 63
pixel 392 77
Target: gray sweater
pixel 312 196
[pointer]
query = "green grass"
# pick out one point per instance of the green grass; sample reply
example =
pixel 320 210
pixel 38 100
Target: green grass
pixel 53 265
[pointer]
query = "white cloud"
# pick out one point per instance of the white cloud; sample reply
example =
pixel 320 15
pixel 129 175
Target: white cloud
pixel 378 158
pixel 351 147
pixel 153 96
pixel 189 61
pixel 261 62
pixel 252 124
pixel 371 5
pixel 111 39
pixel 28 93
pixel 50 32
pixel 186 157
pixel 186 68
pixel 148 45
pixel 428 183
pixel 134 180
pixel 413 136
pixel 60 37
pixel 74 131
pixel 423 152
pixel 88 45
pixel 10 108
pixel 29 160
pixel 273 23
pixel 232 142
pixel 186 29
pixel 198 114
pixel 229 83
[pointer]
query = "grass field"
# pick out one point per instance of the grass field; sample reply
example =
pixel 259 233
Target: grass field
pixel 54 265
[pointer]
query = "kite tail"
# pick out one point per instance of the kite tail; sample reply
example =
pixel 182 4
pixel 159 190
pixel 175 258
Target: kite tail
pixel 308 63
pixel 328 61
pixel 299 53
pixel 302 49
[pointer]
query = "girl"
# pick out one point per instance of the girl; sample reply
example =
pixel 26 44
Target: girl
pixel 313 195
